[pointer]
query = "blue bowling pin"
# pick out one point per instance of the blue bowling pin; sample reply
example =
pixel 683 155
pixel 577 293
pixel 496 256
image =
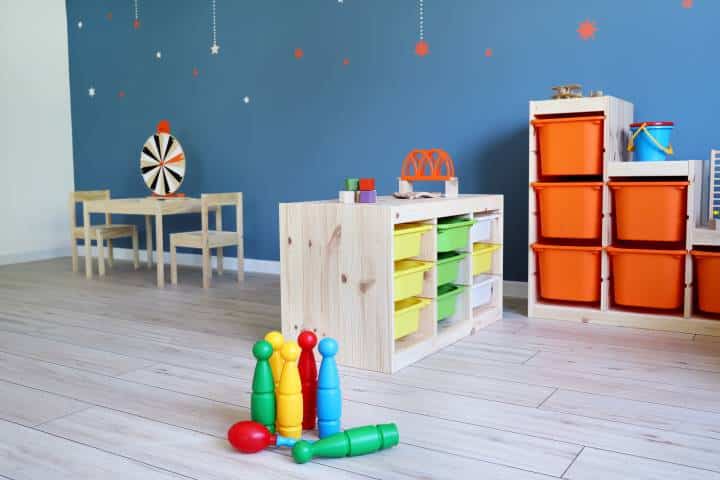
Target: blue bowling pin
pixel 329 398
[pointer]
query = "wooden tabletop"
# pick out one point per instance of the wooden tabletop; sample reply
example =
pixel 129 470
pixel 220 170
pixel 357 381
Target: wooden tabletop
pixel 145 205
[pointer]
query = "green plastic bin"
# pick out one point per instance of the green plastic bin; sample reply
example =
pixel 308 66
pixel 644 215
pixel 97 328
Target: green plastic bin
pixel 448 265
pixel 447 299
pixel 453 233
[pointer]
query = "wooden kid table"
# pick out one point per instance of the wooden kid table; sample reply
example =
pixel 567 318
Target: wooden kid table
pixel 147 206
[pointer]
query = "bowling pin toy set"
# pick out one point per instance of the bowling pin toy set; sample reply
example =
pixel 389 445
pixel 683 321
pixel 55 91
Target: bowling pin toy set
pixel 360 190
pixel 289 395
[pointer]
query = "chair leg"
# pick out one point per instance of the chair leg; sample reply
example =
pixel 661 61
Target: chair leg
pixel 206 270
pixel 240 262
pixel 110 253
pixel 173 262
pixel 74 250
pixel 101 254
pixel 136 249
pixel 219 260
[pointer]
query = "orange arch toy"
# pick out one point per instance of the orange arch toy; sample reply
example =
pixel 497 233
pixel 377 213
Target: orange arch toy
pixel 427 165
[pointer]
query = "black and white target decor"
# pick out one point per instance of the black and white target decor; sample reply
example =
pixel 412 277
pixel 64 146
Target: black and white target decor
pixel 162 163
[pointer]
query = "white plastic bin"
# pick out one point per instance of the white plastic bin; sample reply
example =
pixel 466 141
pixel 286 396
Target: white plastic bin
pixel 482 292
pixel 482 230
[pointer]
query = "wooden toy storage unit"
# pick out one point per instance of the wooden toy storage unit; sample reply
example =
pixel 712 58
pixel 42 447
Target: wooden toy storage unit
pixel 337 276
pixel 616 166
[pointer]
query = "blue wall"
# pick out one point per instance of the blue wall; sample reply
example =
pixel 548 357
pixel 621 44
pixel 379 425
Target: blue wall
pixel 311 122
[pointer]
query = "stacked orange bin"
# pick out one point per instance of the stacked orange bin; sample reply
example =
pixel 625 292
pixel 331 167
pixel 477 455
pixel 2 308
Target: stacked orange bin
pixel 569 207
pixel 647 261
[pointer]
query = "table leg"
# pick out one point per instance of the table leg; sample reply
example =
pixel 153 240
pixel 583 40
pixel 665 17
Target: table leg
pixel 160 251
pixel 88 250
pixel 148 240
pixel 100 254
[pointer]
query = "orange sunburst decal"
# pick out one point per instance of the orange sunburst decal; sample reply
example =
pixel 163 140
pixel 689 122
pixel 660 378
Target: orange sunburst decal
pixel 587 30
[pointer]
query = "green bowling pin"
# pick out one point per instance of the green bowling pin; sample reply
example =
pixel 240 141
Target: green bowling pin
pixel 350 443
pixel 262 401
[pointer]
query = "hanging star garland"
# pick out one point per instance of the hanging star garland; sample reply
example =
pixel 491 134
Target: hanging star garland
pixel 421 47
pixel 214 48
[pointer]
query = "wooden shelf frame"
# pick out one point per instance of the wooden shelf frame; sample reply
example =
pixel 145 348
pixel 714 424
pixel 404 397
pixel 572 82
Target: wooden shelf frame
pixel 337 276
pixel 617 165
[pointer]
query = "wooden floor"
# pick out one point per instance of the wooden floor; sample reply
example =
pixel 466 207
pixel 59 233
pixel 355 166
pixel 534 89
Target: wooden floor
pixel 116 379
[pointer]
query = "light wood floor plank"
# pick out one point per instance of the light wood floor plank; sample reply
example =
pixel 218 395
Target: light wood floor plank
pixel 619 367
pixel 69 355
pixel 179 450
pixel 521 451
pixel 31 407
pixel 27 454
pixel 601 465
pixel 646 414
pixel 579 380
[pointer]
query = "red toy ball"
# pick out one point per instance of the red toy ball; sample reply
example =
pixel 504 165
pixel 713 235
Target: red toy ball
pixel 250 437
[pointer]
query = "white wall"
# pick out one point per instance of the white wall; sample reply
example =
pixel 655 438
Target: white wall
pixel 36 165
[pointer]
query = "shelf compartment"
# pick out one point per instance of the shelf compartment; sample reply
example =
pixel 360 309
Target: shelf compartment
pixel 407 239
pixel 568 273
pixel 569 210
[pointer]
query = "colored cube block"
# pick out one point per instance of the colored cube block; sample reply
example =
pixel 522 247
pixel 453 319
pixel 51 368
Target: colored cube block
pixel 367 184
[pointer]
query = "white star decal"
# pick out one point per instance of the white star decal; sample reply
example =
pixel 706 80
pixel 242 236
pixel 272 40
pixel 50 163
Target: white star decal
pixel 158 54
pixel 215 49
pixel 246 99
pixel 80 24
pixel 91 91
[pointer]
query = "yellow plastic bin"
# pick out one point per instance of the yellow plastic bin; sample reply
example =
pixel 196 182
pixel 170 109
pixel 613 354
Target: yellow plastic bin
pixel 406 239
pixel 482 257
pixel 407 315
pixel 408 278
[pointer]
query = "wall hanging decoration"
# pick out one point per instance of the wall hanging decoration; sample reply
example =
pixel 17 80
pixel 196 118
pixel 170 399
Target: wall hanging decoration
pixel 587 30
pixel 162 162
pixel 136 22
pixel 421 47
pixel 214 48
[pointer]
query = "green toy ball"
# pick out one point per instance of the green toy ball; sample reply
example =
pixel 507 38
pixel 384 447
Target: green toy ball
pixel 302 452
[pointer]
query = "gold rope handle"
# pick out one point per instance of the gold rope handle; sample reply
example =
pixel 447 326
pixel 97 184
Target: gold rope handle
pixel 631 142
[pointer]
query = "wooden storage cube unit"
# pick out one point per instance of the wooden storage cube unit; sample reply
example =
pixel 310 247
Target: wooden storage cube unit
pixel 568 273
pixel 337 277
pixel 570 146
pixel 650 211
pixel 706 265
pixel 569 210
pixel 653 279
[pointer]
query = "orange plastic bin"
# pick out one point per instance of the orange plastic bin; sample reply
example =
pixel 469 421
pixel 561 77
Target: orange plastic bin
pixel 569 210
pixel 568 273
pixel 707 280
pixel 647 278
pixel 650 211
pixel 570 145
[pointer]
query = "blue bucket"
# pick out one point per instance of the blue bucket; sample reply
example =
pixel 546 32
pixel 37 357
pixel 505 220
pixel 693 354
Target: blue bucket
pixel 650 141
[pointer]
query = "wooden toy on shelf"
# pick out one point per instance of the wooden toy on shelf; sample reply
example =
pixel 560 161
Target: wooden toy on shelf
pixel 162 162
pixel 428 166
pixel 572 90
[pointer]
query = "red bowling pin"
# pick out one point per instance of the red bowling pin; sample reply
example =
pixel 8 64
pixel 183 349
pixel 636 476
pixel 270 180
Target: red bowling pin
pixel 308 376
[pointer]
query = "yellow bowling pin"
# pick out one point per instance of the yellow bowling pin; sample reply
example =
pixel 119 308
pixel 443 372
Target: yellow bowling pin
pixel 289 394
pixel 276 361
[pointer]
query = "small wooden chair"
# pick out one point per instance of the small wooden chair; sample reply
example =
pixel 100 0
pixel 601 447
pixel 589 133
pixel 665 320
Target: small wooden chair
pixel 206 239
pixel 99 233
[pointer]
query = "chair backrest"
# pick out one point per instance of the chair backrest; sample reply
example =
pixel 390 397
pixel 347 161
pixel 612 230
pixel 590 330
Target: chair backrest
pixel 82 196
pixel 217 201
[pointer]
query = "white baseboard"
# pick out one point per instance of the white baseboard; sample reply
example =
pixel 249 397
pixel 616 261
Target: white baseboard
pixel 195 260
pixel 34 256
pixel 511 288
